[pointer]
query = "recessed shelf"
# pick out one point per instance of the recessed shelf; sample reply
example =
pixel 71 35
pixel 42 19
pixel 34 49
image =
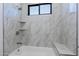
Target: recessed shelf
pixel 21 29
pixel 19 43
pixel 22 21
pixel 19 8
pixel 17 32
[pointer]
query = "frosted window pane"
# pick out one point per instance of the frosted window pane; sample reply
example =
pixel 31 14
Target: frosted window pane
pixel 10 10
pixel 72 7
pixel 44 9
pixel 34 10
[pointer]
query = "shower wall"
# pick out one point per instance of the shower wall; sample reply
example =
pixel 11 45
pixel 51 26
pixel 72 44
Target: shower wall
pixel 11 25
pixel 41 30
pixel 44 29
pixel 1 29
pixel 60 26
pixel 69 29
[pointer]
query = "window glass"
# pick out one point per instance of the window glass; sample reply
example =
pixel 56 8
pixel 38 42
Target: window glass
pixel 10 10
pixel 45 9
pixel 72 7
pixel 34 10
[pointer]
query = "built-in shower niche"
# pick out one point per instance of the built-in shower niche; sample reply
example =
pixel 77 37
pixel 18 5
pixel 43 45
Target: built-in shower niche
pixel 21 32
pixel 22 23
pixel 21 27
pixel 19 44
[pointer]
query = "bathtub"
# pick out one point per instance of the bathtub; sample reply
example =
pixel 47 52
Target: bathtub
pixel 33 51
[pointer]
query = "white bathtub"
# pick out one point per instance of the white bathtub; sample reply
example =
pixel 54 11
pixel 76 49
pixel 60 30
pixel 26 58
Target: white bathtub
pixel 33 51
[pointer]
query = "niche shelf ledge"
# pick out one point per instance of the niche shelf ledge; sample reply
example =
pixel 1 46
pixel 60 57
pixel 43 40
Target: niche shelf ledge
pixel 22 21
pixel 22 29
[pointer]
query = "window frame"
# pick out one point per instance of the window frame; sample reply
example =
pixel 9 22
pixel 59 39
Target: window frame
pixel 39 8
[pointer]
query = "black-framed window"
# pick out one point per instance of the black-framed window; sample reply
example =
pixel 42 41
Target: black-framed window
pixel 38 9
